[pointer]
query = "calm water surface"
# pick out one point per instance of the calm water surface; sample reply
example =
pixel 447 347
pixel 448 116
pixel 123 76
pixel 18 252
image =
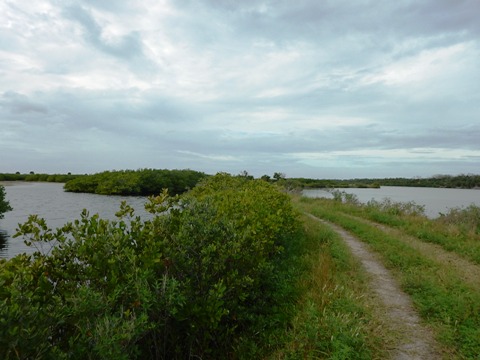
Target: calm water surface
pixel 57 207
pixel 435 200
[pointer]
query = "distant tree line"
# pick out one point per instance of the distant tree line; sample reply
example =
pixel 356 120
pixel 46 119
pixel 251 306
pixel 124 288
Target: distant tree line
pixel 333 183
pixel 438 181
pixel 462 181
pixel 59 178
pixel 150 181
pixel 136 182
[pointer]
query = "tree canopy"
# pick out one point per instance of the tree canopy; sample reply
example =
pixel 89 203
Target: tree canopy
pixel 136 182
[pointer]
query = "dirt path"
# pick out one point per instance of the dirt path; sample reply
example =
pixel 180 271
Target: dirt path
pixel 416 341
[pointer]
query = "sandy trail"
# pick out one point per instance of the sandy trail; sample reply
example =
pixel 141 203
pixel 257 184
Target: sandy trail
pixel 416 341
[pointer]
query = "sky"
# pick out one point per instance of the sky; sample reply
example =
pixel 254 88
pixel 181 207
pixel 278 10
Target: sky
pixel 308 88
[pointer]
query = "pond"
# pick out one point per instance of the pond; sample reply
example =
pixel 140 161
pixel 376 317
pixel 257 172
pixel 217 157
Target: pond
pixel 57 207
pixel 435 200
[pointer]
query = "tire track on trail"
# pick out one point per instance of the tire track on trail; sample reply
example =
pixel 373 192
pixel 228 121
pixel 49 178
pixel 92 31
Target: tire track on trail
pixel 465 269
pixel 416 341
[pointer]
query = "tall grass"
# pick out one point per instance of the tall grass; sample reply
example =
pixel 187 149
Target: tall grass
pixel 466 220
pixel 333 318
pixel 458 230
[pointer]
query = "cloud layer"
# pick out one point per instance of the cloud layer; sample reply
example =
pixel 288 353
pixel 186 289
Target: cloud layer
pixel 310 88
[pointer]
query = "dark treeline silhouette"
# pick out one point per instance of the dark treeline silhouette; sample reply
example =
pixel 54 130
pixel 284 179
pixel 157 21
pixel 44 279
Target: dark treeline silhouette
pixel 152 181
pixel 60 178
pixel 439 181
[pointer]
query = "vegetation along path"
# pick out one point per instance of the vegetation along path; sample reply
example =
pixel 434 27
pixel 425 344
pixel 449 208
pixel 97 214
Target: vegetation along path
pixel 416 341
pixel 465 269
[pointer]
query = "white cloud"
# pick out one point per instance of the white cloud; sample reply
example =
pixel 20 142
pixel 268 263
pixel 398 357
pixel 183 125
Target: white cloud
pixel 419 68
pixel 209 156
pixel 231 86
pixel 416 154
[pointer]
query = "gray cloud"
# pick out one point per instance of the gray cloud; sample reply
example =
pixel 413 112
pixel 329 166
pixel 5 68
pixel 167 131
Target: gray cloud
pixel 127 46
pixel 20 104
pixel 319 89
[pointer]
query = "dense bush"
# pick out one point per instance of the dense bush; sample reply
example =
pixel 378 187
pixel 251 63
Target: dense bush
pixel 136 182
pixel 186 283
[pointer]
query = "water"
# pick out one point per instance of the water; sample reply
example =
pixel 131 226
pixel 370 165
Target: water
pixel 49 201
pixel 435 200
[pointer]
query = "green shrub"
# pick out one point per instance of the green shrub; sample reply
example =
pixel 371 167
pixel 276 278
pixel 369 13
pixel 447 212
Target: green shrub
pixel 186 283
pixel 467 219
pixel 396 208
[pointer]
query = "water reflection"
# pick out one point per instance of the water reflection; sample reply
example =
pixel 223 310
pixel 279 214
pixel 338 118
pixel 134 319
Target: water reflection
pixel 3 243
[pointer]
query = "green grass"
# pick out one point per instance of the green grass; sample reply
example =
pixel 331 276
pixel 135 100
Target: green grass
pixel 449 305
pixel 451 231
pixel 332 317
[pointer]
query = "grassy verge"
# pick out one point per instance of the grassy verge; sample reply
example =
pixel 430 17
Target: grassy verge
pixel 332 317
pixel 449 305
pixel 458 231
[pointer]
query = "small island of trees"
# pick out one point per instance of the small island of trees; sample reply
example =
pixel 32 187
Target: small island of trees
pixel 136 182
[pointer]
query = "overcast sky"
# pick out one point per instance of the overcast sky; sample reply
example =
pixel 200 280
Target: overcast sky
pixel 309 88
